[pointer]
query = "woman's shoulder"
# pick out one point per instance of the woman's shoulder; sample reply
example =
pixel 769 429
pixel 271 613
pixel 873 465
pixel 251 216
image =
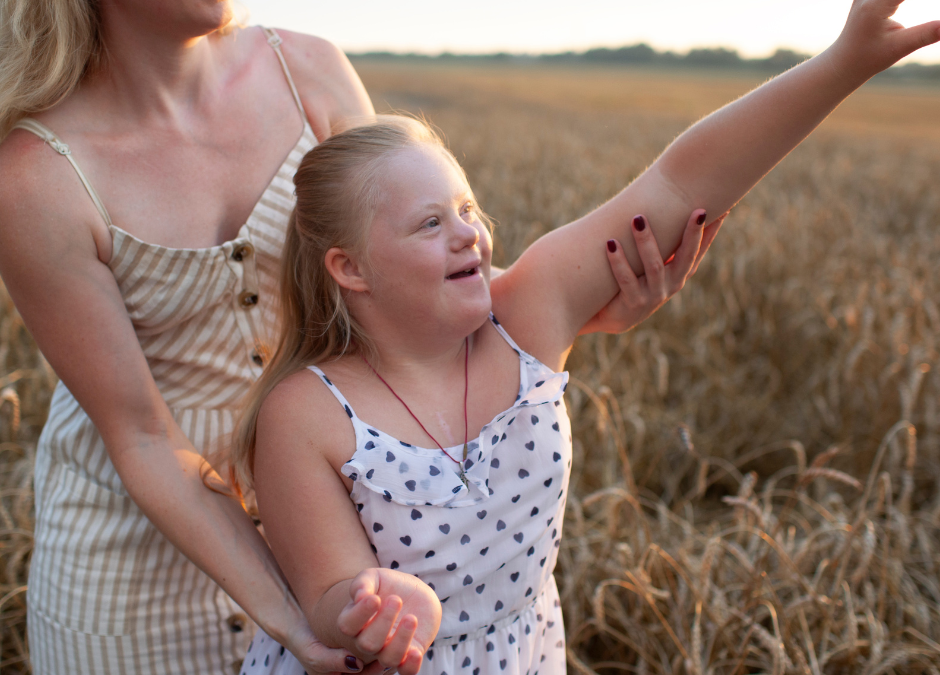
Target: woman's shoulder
pixel 326 80
pixel 39 191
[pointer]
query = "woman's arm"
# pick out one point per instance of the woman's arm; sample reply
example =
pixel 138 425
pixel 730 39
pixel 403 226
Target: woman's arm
pixel 562 280
pixel 71 304
pixel 308 515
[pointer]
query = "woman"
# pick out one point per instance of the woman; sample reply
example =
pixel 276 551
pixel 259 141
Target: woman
pixel 152 300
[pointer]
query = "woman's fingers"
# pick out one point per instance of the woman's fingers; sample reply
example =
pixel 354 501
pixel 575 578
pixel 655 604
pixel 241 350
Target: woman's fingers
pixel 623 273
pixel 681 267
pixel 325 660
pixel 650 256
pixel 708 236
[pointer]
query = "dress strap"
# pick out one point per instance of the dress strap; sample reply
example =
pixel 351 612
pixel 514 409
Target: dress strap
pixel 502 331
pixel 335 391
pixel 275 41
pixel 46 134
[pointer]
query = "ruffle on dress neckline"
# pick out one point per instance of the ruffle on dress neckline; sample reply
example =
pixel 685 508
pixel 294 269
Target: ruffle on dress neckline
pixel 413 476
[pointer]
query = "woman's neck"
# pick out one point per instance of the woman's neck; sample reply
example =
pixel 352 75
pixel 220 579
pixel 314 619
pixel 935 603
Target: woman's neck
pixel 156 68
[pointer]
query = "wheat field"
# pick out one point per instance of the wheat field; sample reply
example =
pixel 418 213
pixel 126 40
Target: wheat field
pixel 756 486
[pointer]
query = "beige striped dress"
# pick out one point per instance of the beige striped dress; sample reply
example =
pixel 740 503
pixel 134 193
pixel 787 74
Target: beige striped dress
pixel 107 592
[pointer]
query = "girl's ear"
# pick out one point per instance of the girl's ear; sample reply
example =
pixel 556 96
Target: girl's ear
pixel 345 270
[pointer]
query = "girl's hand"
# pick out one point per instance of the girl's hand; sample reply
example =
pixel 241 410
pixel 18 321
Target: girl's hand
pixel 394 618
pixel 640 297
pixel 872 41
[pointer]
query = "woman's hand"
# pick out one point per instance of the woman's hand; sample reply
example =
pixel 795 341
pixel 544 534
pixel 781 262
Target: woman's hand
pixel 394 618
pixel 316 657
pixel 640 297
pixel 872 41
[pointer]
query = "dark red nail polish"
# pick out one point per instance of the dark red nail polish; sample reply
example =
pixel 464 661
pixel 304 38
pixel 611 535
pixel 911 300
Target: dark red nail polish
pixel 612 245
pixel 701 218
pixel 639 223
pixel 351 664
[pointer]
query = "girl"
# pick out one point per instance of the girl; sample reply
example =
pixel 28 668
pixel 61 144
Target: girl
pixel 430 486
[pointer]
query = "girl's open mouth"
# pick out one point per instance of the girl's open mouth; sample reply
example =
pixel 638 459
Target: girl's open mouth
pixel 465 273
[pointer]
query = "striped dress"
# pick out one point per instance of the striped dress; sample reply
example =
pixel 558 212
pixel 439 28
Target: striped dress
pixel 107 592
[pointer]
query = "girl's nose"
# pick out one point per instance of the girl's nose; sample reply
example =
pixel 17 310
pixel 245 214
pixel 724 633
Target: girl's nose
pixel 465 235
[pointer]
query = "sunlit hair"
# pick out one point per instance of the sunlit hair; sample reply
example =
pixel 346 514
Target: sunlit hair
pixel 46 48
pixel 337 187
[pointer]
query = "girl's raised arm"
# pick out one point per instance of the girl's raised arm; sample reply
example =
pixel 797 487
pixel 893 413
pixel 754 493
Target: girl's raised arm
pixel 562 280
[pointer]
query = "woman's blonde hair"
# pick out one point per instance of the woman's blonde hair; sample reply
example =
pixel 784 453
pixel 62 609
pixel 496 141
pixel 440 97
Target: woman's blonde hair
pixel 337 190
pixel 46 48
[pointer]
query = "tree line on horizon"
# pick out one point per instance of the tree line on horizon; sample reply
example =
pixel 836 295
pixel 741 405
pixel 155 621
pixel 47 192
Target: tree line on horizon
pixel 719 58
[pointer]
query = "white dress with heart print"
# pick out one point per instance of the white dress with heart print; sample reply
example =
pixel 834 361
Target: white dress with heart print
pixel 488 549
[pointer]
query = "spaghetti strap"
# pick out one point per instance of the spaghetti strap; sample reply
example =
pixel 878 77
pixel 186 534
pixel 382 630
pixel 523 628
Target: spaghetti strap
pixel 46 134
pixel 335 391
pixel 275 41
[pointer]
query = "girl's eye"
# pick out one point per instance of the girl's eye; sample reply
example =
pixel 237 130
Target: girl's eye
pixel 432 222
pixel 468 207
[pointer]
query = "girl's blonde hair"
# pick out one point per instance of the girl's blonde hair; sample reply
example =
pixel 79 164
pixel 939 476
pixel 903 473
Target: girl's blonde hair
pixel 337 192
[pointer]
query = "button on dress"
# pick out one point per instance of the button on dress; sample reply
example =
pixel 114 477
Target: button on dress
pixel 488 549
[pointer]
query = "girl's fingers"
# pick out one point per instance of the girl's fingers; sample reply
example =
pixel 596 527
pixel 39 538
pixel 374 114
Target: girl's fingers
pixel 356 615
pixel 397 648
pixel 366 582
pixel 650 256
pixel 374 637
pixel 914 38
pixel 412 663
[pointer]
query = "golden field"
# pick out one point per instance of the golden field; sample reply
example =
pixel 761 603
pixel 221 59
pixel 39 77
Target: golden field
pixel 757 477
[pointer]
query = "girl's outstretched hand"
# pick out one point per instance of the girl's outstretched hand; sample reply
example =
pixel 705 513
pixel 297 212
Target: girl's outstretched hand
pixel 394 618
pixel 872 41
pixel 640 297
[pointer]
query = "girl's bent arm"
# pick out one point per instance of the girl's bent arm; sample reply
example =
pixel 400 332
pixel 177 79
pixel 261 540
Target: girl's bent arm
pixel 303 437
pixel 564 277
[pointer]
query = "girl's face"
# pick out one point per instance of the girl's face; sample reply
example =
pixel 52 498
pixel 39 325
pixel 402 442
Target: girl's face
pixel 429 253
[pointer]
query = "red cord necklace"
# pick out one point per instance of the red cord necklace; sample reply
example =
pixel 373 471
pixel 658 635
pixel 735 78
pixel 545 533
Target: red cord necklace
pixel 466 387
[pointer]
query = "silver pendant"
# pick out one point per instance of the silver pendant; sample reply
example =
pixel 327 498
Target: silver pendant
pixel 463 476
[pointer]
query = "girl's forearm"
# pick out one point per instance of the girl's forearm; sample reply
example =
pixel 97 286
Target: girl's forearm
pixel 718 160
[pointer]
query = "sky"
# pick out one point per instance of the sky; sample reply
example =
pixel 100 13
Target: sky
pixel 754 27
